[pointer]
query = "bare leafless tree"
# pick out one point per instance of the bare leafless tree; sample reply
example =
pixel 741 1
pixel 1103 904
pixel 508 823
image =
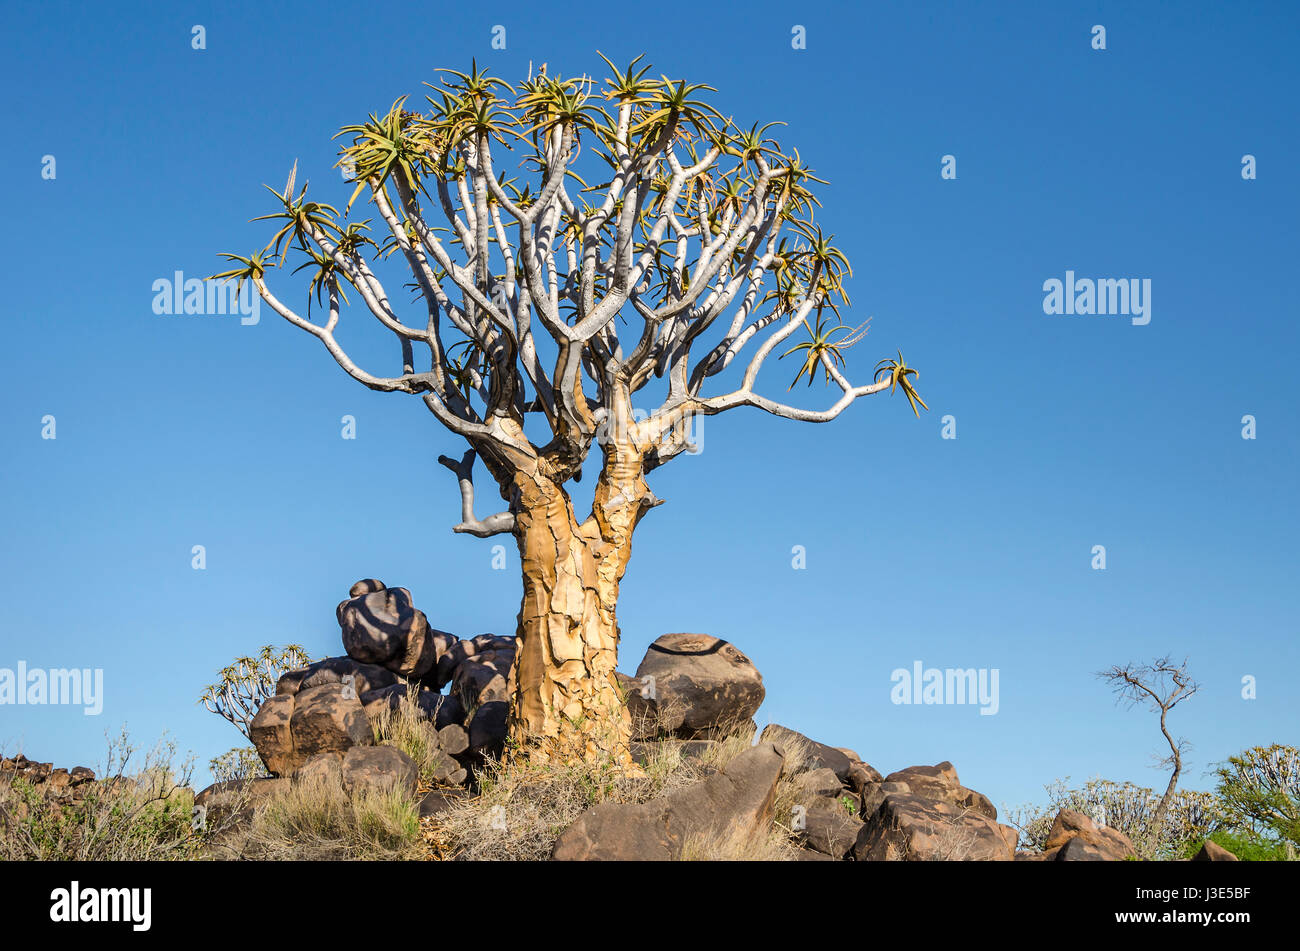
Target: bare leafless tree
pixel 1160 686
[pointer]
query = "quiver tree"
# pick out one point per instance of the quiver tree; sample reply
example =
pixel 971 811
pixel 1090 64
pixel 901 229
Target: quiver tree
pixel 548 307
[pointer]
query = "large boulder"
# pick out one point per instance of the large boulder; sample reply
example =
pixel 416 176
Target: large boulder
pixel 939 782
pixel 270 732
pixel 380 625
pixel 830 828
pixel 328 719
pixel 1075 837
pixel 697 686
pixel 911 828
pixel 289 729
pixel 736 800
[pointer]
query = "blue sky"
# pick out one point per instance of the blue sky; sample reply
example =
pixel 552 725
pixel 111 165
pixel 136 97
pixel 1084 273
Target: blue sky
pixel 973 552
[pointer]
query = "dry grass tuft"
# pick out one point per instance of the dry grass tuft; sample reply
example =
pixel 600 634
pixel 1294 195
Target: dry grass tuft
pixel 318 821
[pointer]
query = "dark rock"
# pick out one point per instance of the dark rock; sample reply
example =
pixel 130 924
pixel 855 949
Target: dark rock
pixel 453 739
pixel 440 800
pixel 820 784
pixel 487 730
pixel 365 678
pixel 701 686
pixel 941 783
pixel 236 800
pixel 483 678
pixel 383 627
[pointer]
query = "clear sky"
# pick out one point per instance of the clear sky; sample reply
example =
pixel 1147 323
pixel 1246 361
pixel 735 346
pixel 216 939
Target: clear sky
pixel 1072 431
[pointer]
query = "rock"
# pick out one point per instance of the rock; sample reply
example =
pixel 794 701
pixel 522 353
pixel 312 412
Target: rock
pixel 378 769
pixel 820 784
pixel 449 771
pixel 270 731
pixel 487 730
pixel 383 627
pixel 239 799
pixel 81 774
pixel 364 678
pixel 483 678
pixel 1213 852
pixel 1079 850
pixel 818 755
pixel 323 768
pixel 459 652
pixel 908 827
pixel 453 739
pixel 703 686
pixel 737 799
pixel 865 782
pixel 326 720
pixel 831 829
pixel 439 800
pixel 1087 839
pixel 438 708
pixel 941 783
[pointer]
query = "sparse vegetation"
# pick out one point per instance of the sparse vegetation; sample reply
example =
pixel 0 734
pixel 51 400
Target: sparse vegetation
pixel 405 728
pixel 144 816
pixel 318 821
pixel 1189 819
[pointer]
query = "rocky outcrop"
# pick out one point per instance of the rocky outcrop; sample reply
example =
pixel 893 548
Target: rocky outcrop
pixel 60 785
pixel 736 800
pixel 924 813
pixel 333 706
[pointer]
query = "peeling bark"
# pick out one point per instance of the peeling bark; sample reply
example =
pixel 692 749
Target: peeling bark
pixel 566 699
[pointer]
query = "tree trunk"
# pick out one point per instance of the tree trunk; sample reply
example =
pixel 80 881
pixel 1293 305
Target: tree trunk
pixel 567 703
pixel 1158 821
